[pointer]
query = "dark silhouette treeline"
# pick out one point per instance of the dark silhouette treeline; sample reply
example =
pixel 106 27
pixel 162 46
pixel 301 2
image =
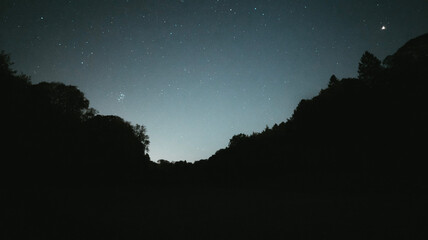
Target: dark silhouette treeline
pixel 358 134
pixel 52 137
pixel 349 163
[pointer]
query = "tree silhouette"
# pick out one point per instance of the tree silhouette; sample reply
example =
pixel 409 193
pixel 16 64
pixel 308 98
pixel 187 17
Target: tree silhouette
pixel 369 67
pixel 237 139
pixel 140 133
pixel 10 79
pixel 333 81
pixel 5 64
pixel 89 113
pixel 66 99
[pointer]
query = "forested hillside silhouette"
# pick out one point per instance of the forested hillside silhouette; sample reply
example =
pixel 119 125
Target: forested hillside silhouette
pixel 358 134
pixel 349 163
pixel 52 137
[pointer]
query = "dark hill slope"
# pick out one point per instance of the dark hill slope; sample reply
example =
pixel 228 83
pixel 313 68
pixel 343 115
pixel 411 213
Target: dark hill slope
pixel 362 133
pixel 52 138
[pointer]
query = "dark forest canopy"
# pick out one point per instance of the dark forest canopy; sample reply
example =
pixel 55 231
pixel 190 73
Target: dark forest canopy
pixel 357 134
pixel 53 136
pixel 362 131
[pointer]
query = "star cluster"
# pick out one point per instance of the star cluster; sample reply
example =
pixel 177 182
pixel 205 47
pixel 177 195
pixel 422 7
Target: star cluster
pixel 197 72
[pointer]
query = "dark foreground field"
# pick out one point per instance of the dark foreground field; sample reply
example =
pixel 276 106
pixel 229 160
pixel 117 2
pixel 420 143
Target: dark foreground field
pixel 212 214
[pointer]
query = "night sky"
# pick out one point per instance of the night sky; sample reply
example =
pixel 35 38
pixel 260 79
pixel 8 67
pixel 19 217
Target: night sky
pixel 197 72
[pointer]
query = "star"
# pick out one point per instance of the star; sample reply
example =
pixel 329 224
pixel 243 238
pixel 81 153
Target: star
pixel 383 28
pixel 121 97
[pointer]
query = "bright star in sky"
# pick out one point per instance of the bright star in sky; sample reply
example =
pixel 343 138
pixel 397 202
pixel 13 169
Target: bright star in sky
pixel 383 28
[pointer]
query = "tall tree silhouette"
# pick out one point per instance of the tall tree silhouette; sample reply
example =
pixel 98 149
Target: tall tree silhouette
pixel 140 133
pixel 369 67
pixel 333 81
pixel 5 64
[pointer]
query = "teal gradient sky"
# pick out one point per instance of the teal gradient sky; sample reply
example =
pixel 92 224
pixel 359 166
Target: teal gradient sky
pixel 197 72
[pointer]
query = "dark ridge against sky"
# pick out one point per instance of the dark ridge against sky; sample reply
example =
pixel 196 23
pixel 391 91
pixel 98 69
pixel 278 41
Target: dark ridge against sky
pixel 197 72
